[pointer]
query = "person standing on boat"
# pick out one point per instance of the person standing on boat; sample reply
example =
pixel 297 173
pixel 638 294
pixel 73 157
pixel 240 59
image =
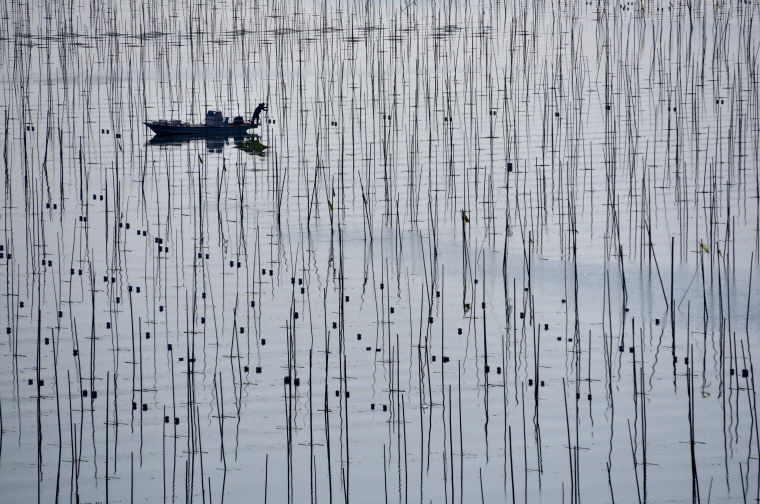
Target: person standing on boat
pixel 256 120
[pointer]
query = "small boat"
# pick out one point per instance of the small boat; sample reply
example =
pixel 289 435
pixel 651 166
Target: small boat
pixel 214 125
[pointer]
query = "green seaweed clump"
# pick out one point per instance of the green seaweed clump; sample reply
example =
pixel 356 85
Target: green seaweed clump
pixel 252 147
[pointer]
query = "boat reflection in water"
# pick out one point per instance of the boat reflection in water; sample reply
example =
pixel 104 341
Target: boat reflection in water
pixel 214 143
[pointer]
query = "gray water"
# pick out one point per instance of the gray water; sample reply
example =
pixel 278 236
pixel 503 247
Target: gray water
pixel 494 252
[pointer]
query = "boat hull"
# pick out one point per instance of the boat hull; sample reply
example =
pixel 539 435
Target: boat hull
pixel 197 129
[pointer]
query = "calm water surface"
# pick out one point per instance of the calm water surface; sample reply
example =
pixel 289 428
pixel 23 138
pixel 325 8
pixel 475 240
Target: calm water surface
pixel 493 252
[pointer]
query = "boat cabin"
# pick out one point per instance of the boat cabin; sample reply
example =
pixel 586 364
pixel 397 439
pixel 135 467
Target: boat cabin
pixel 214 118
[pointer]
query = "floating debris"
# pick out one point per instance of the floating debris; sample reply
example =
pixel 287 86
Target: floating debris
pixel 252 147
